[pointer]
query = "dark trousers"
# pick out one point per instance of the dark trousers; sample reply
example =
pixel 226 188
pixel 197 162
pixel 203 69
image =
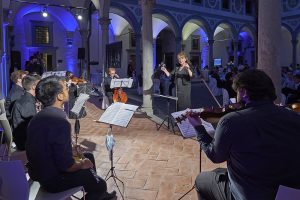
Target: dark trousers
pixel 213 185
pixel 94 186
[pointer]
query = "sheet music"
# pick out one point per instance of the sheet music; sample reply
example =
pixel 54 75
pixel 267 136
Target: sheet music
pixel 187 130
pixel 118 114
pixel 50 73
pixel 79 103
pixel 122 82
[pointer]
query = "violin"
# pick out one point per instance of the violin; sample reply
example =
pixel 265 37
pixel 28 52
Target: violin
pixel 211 114
pixel 120 96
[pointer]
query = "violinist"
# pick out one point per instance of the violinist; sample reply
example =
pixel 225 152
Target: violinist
pixel 260 144
pixel 182 76
pixel 109 92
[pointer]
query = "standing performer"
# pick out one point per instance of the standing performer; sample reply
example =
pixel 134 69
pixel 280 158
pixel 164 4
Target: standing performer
pixel 182 75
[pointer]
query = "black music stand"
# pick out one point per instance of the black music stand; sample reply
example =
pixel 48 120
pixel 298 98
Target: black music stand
pixel 112 116
pixel 168 117
pixel 110 143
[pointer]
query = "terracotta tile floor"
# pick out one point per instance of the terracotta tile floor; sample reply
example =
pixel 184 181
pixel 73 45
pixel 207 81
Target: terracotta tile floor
pixel 154 165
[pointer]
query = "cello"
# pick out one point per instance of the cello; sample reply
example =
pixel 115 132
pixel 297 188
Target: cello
pixel 120 96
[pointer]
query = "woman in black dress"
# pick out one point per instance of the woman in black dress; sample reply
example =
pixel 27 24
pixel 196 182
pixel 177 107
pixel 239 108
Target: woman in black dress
pixel 182 75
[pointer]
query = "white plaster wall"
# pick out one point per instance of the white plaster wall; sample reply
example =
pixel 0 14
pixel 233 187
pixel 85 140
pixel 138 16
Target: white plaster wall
pixel 220 50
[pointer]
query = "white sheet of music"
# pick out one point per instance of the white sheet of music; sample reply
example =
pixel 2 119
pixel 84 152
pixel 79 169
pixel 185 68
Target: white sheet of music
pixel 186 129
pixel 121 82
pixel 79 103
pixel 118 114
pixel 57 73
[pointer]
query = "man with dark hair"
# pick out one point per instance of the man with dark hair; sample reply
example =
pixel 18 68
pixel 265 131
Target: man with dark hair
pixel 15 92
pixel 24 109
pixel 259 143
pixel 49 148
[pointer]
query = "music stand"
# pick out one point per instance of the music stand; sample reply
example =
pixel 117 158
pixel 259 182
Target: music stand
pixel 168 117
pixel 188 131
pixel 80 101
pixel 121 82
pixel 116 114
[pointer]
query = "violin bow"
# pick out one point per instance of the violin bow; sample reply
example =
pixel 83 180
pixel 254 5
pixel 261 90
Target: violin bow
pixel 211 92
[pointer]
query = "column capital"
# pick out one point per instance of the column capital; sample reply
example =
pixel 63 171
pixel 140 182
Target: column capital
pixel 147 3
pixel 104 21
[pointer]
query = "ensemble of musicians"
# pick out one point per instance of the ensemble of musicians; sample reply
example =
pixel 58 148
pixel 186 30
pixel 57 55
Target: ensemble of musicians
pixel 259 142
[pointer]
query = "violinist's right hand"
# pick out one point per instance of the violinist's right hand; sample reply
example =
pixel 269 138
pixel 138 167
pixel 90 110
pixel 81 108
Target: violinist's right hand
pixel 86 164
pixel 194 120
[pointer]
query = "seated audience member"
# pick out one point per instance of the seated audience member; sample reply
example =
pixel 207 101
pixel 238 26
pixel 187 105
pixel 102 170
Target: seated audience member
pixel 259 143
pixel 293 95
pixel 24 109
pixel 49 146
pixel 15 92
pixel 109 92
pixel 227 84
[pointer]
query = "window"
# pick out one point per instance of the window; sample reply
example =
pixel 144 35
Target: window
pixel 226 4
pixel 132 38
pixel 41 33
pixel 197 1
pixel 248 7
pixel 195 43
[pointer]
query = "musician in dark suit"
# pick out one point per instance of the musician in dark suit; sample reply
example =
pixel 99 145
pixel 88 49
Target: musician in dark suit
pixel 24 109
pixel 260 144
pixel 49 148
pixel 15 92
pixel 109 92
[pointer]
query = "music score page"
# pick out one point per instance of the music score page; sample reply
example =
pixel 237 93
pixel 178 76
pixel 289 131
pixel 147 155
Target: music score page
pixel 186 129
pixel 118 114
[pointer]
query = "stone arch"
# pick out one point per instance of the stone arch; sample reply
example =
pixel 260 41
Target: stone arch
pixel 200 21
pixel 228 25
pixel 169 19
pixel 127 14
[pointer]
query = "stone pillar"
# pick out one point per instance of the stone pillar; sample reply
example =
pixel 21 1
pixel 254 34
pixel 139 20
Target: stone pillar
pixel 147 40
pixel 235 52
pixel 211 54
pixel 269 25
pixel 294 43
pixel 104 23
pixel 138 61
pixel 178 41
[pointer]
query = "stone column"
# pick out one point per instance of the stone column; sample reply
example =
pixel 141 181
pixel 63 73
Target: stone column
pixel 104 23
pixel 211 54
pixel 294 43
pixel 235 52
pixel 138 61
pixel 178 41
pixel 269 25
pixel 147 40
